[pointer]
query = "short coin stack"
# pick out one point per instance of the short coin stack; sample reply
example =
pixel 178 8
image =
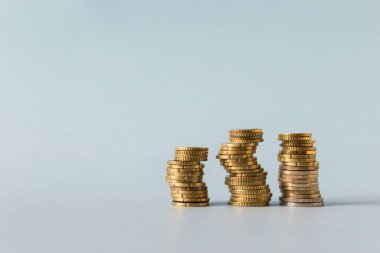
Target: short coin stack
pixel 298 173
pixel 247 179
pixel 185 177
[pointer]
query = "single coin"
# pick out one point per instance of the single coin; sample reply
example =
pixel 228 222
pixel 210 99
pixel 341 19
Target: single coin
pixel 301 192
pixel 262 191
pixel 293 144
pixel 300 177
pixel 191 152
pixel 186 163
pixel 245 167
pixel 190 196
pixel 245 171
pixel 297 156
pixel 299 185
pixel 294 135
pixel 250 200
pixel 198 166
pixel 288 188
pixel 287 160
pixel 299 168
pixel 244 204
pixel 298 173
pixel 243 183
pixel 298 181
pixel 301 164
pixel 299 141
pixel 191 200
pixel 234 140
pixel 188 184
pixel 184 171
pixel 301 196
pixel 298 152
pixel 301 200
pixel 284 149
pixel 180 204
pixel 173 181
pixel 196 188
pixel 232 156
pixel 235 152
pixel 190 157
pixel 247 178
pixel 302 204
pixel 238 145
pixel 185 174
pixel 252 130
pixel 237 164
pixel 192 148
pixel 203 192
pixel 248 187
pixel 251 196
pixel 249 174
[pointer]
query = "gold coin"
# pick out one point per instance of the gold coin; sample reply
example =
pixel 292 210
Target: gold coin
pixel 198 166
pixel 191 200
pixel 252 196
pixel 173 181
pixel 288 188
pixel 283 184
pixel 298 152
pixel 300 181
pixel 185 174
pixel 252 130
pixel 292 204
pixel 235 152
pixel 297 156
pixel 296 145
pixel 300 192
pixel 238 145
pixel 250 192
pixel 203 192
pixel 301 196
pixel 188 184
pixel 192 148
pixel 245 183
pixel 285 149
pixel 286 160
pixel 245 171
pixel 244 167
pixel 299 168
pixel 301 200
pixel 190 196
pixel 194 157
pixel 298 173
pixel 184 171
pixel 184 177
pixel 180 204
pixel 190 159
pixel 294 135
pixel 185 163
pixel 237 164
pixel 299 141
pixel 191 152
pixel 248 187
pixel 250 200
pixel 193 188
pixel 232 156
pixel 258 176
pixel 234 140
pixel 244 204
pixel 250 174
pixel 300 164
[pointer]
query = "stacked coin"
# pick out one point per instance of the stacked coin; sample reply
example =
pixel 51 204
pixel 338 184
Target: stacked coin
pixel 247 179
pixel 298 173
pixel 185 177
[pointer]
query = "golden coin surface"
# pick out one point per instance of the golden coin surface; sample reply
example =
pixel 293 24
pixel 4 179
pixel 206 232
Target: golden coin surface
pixel 235 152
pixel 292 204
pixel 198 166
pixel 298 173
pixel 187 163
pixel 180 204
pixel 299 181
pixel 300 177
pixel 302 185
pixel 289 188
pixel 297 156
pixel 201 192
pixel 188 184
pixel 248 187
pixel 250 200
pixel 191 200
pixel 300 192
pixel 245 183
pixel 298 152
pixel 247 178
pixel 238 145
pixel 259 191
pixel 232 156
pixel 235 140
pixel 295 135
pixel 192 148
pixel 292 144
pixel 199 188
pixel 184 171
pixel 190 196
pixel 252 130
pixel 243 204
pixel 184 174
pixel 301 196
pixel 301 164
pixel 249 174
pixel 287 160
pixel 299 168
pixel 251 196
pixel 301 200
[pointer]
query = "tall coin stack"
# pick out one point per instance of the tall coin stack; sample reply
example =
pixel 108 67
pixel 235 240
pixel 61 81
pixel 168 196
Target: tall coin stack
pixel 185 177
pixel 298 173
pixel 247 179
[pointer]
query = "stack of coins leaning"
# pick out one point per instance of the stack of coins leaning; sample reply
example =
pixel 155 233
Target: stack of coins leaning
pixel 185 177
pixel 298 173
pixel 247 179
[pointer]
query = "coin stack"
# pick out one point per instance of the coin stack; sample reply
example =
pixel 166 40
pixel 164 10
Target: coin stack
pixel 298 173
pixel 247 179
pixel 185 177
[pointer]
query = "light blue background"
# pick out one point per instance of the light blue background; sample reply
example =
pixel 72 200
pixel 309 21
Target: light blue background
pixel 96 95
